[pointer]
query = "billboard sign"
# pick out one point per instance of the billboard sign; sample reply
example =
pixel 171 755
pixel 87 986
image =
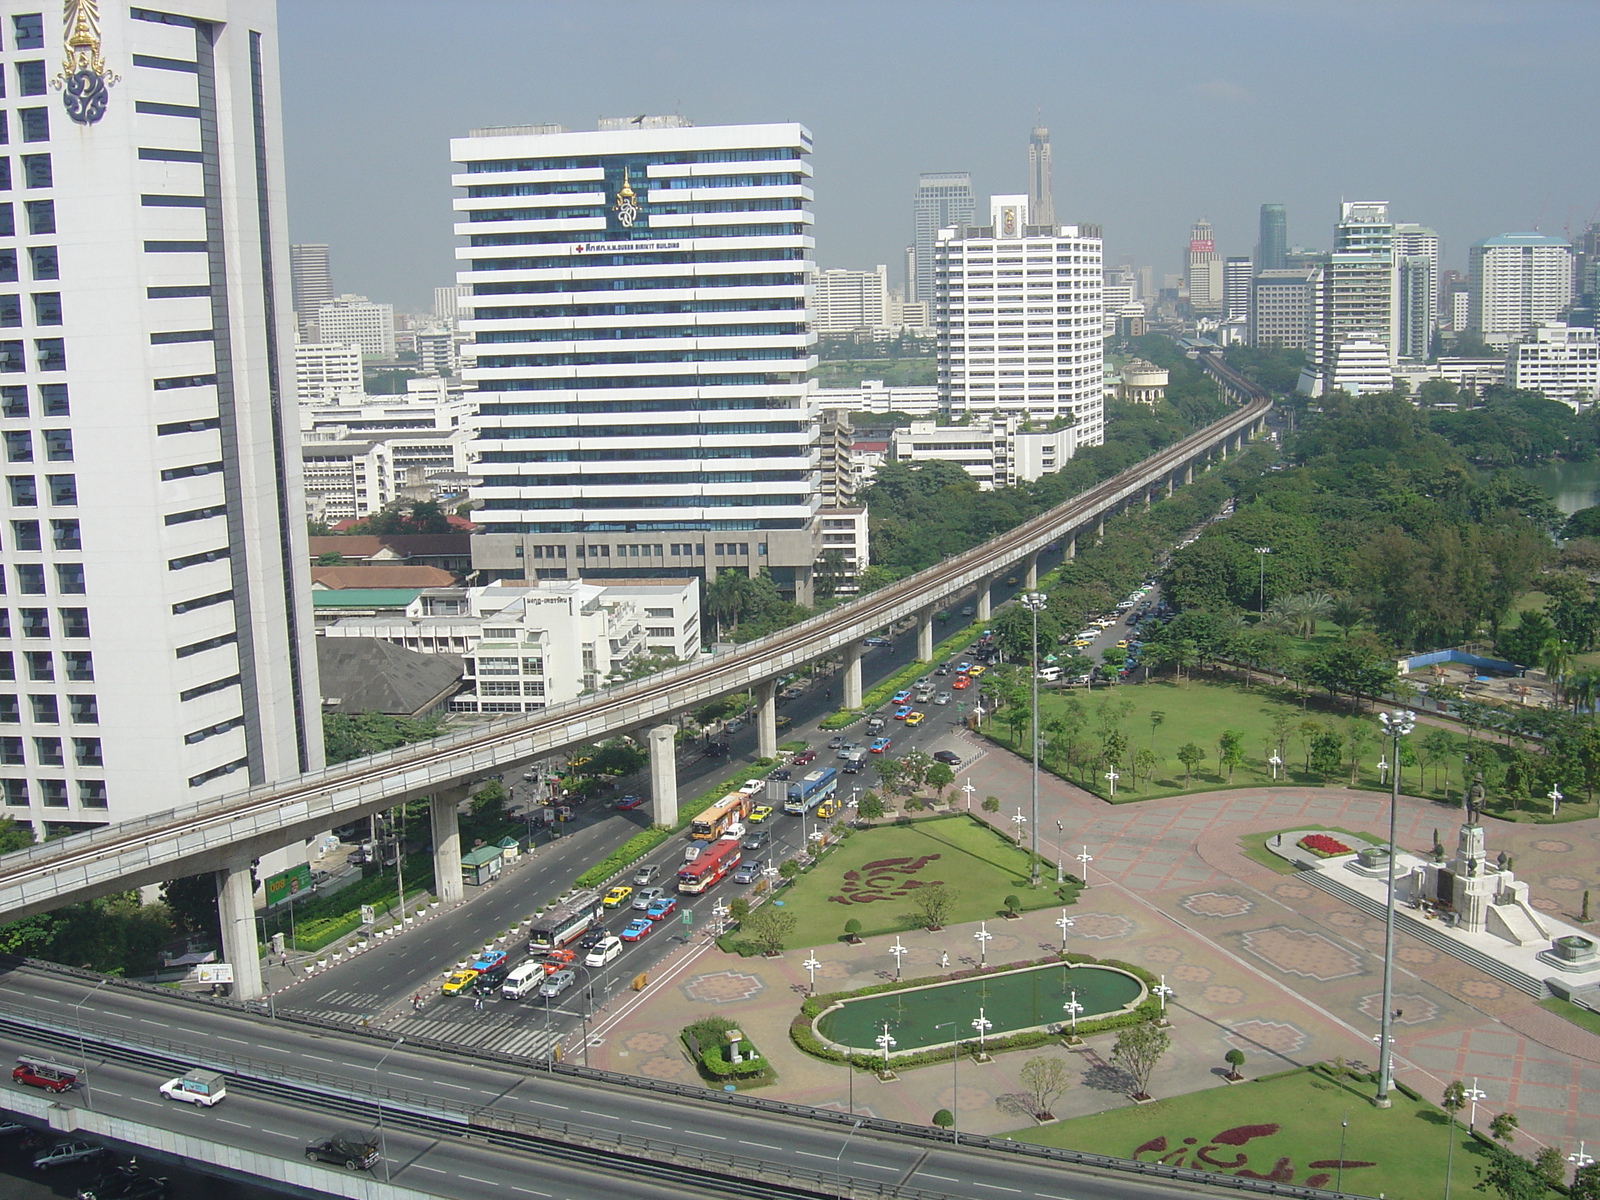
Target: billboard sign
pixel 285 884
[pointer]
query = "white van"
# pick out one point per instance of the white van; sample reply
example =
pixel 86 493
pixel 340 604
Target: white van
pixel 523 981
pixel 1049 674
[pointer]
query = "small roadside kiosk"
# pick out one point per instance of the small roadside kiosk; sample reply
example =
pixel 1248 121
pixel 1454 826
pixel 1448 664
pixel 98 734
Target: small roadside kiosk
pixel 481 865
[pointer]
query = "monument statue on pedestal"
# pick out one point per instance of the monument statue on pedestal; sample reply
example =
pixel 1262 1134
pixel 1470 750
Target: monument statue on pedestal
pixel 1474 798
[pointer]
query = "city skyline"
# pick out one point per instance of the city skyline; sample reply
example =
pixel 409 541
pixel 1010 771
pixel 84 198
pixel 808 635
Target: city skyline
pixel 1251 117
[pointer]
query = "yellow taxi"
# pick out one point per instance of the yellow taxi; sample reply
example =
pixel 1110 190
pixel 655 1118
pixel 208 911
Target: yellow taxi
pixel 976 669
pixel 760 813
pixel 458 982
pixel 916 718
pixel 617 895
pixel 1123 644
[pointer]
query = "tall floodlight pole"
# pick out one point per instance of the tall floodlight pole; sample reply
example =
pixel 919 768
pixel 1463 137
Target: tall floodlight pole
pixel 1397 725
pixel 1034 602
pixel 1261 587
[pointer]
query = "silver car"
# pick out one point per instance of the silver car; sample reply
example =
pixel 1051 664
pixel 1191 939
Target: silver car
pixel 557 983
pixel 644 897
pixel 64 1153
pixel 943 698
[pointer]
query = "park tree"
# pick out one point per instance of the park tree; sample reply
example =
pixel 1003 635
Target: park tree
pixel 1549 1164
pixel 914 767
pixel 1145 762
pixel 890 773
pixel 769 927
pixel 490 800
pixel 1137 1050
pixel 1230 751
pixel 1326 754
pixel 991 804
pixel 870 807
pixel 1191 756
pixel 1512 1177
pixel 789 868
pixel 1156 718
pixel 1235 1059
pixel 939 776
pixel 933 905
pixel 192 903
pixel 1044 1081
pixel 1585 1183
pixel 1358 736
pixel 944 1118
pixel 852 931
pixel 738 909
pixel 1503 1128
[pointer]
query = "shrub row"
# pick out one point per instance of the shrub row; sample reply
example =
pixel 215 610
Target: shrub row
pixel 714 1064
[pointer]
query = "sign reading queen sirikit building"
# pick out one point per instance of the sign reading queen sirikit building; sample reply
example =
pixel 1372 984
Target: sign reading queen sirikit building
pixel 623 247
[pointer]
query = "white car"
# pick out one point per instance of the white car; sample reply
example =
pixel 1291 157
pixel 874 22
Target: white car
pixel 603 952
pixel 753 787
pixel 197 1087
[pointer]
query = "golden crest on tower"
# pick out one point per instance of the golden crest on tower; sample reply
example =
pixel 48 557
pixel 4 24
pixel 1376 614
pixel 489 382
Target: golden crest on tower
pixel 626 207
pixel 83 79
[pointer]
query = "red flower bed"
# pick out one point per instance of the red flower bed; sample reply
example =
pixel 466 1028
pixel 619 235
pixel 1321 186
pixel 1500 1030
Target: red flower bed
pixel 1324 846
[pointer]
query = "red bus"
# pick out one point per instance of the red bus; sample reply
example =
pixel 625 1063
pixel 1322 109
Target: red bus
pixel 715 861
pixel 714 822
pixel 565 924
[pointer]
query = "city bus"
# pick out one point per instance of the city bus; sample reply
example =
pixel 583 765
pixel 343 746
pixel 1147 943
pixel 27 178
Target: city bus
pixel 732 809
pixel 714 862
pixel 811 791
pixel 566 923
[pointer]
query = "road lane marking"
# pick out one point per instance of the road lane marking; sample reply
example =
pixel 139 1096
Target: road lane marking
pixel 235 1041
pixel 475 1179
pixel 945 1178
pixel 809 1154
pixel 562 1107
pixel 225 1121
pixel 105 1091
pixel 142 1100
pixel 652 1124
pixel 402 1075
pixel 995 1187
pixel 608 1116
pixel 874 1166
pixel 460 1087
pixel 529 1191
pixel 279 1133
pixel 46 999
pixel 315 1057
pixel 763 1145
pixel 148 1021
pixel 697 1133
pixel 426 1167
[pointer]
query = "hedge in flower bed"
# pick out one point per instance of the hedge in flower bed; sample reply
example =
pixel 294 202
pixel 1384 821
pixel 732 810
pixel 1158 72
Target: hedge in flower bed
pixel 804 1037
pixel 1323 846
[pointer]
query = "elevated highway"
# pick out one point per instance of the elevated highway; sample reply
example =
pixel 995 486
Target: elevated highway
pixel 224 835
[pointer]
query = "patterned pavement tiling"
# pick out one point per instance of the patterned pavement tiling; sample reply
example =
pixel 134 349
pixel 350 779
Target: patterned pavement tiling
pixel 1296 952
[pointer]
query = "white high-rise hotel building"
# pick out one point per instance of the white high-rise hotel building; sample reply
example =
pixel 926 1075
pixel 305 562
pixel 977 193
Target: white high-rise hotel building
pixel 1018 317
pixel 640 348
pixel 155 632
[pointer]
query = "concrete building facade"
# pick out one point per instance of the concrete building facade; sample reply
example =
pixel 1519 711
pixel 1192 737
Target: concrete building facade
pixel 850 301
pixel 1562 361
pixel 311 284
pixel 158 602
pixel 356 321
pixel 640 349
pixel 1517 281
pixel 325 374
pixel 944 200
pixel 998 450
pixel 1282 304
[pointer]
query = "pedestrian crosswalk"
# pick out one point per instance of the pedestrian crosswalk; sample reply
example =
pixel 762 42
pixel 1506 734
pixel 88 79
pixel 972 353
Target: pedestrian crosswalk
pixel 510 1033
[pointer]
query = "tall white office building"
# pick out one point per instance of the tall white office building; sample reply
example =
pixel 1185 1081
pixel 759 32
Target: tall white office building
pixel 1203 270
pixel 640 346
pixel 357 321
pixel 944 201
pixel 1354 298
pixel 1237 272
pixel 1516 281
pixel 310 282
pixel 1562 361
pixel 326 374
pixel 1416 257
pixel 155 640
pixel 1018 315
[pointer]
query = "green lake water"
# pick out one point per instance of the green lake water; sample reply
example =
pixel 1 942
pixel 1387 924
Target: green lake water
pixel 1011 1001
pixel 1572 485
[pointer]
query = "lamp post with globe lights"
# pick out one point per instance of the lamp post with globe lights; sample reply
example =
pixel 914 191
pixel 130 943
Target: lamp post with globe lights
pixel 811 964
pixel 982 1024
pixel 970 791
pixel 1555 800
pixel 1261 586
pixel 1072 1008
pixel 1063 923
pixel 1397 725
pixel 1085 858
pixel 1161 989
pixel 1061 865
pixel 983 937
pixel 1034 602
pixel 1275 762
pixel 1017 822
pixel 886 1043
pixel 1473 1094
pixel 1580 1159
pixel 899 953
pixel 1112 777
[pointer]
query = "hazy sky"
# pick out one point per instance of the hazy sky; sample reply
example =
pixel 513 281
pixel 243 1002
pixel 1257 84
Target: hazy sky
pixel 1475 118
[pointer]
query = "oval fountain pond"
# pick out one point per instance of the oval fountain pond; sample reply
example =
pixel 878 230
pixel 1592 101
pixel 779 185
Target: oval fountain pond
pixel 1012 1001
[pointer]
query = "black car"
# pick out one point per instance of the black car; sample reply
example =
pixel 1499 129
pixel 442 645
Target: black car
pixel 488 982
pixel 592 939
pixel 948 757
pixel 780 773
pixel 352 1151
pixel 716 749
pixel 117 1184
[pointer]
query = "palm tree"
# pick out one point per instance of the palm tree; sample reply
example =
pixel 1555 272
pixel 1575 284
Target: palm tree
pixel 1307 609
pixel 1347 614
pixel 1583 688
pixel 1555 657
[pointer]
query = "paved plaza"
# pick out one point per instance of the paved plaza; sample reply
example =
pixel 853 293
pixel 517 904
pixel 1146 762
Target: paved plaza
pixel 1259 961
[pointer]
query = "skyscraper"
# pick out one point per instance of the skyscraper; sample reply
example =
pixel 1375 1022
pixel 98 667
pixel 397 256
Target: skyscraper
pixel 944 201
pixel 1204 270
pixel 1273 246
pixel 159 602
pixel 640 351
pixel 850 301
pixel 1518 280
pixel 1236 274
pixel 992 358
pixel 1416 254
pixel 1354 300
pixel 310 281
pixel 1041 202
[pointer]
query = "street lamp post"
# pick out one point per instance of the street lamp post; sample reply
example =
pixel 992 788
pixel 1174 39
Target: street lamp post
pixel 1018 820
pixel 970 791
pixel 838 1160
pixel 885 1043
pixel 1072 1008
pixel 1555 800
pixel 1063 923
pixel 1112 776
pixel 1473 1095
pixel 1061 866
pixel 1261 587
pixel 1580 1159
pixel 811 964
pixel 83 1057
pixel 1034 602
pixel 850 1072
pixel 1396 725
pixel 982 1024
pixel 1085 858
pixel 383 1146
pixel 1275 762
pixel 899 953
pixel 1161 989
pixel 983 937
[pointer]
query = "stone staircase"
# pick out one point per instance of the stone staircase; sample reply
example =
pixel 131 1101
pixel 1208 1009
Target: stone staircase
pixel 1425 931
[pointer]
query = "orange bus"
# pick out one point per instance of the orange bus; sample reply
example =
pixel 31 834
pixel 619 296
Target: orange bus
pixel 714 862
pixel 732 809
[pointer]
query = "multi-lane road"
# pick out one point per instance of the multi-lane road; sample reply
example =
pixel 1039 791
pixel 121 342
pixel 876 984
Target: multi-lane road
pixel 465 1127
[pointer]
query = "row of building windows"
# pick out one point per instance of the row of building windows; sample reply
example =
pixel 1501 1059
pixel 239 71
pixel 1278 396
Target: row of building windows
pixel 30 579
pixel 572 187
pixel 65 534
pixel 600 528
pixel 653 454
pixel 560 237
pixel 626 333
pixel 56 443
pixel 641 308
pixel 686 430
pixel 676 208
pixel 769 500
pixel 40 216
pixel 46 709
pixel 644 479
pixel 654 258
pixel 582 383
pixel 53 792
pixel 77 666
pixel 35 622
pixel 43 260
pixel 35 171
pixel 49 354
pixel 46 310
pixel 32 123
pixel 501 166
pixel 24 489
pixel 680 403
pixel 624 358
pixel 488 665
pixel 48 752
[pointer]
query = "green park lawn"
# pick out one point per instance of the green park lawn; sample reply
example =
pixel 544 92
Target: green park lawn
pixel 1198 710
pixel 1403 1148
pixel 978 864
